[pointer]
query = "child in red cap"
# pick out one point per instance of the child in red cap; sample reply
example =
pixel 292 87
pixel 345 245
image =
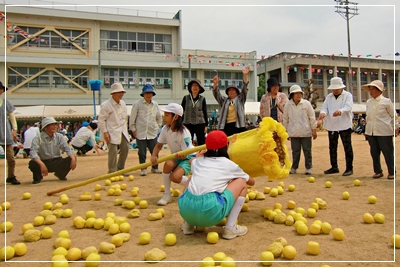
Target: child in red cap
pixel 216 189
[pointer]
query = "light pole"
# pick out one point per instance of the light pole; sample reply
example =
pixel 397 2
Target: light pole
pixel 347 10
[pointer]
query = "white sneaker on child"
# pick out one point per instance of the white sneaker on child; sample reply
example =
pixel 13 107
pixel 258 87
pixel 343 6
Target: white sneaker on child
pixel 308 171
pixel 292 171
pixel 164 200
pixel 143 172
pixel 237 230
pixel 187 229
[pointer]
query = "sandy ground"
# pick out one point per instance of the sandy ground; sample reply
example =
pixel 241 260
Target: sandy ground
pixel 364 244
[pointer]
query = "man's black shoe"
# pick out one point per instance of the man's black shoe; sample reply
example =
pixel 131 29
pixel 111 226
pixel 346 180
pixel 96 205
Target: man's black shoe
pixel 332 170
pixel 12 180
pixel 347 173
pixel 36 181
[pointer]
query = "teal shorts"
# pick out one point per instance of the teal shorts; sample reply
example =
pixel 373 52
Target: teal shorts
pixel 184 163
pixel 205 210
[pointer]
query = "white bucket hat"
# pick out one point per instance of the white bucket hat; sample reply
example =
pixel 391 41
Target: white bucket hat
pixel 377 83
pixel 48 120
pixel 116 88
pixel 336 83
pixel 173 108
pixel 294 89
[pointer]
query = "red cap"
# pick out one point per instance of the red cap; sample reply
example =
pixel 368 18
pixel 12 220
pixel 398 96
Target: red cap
pixel 216 139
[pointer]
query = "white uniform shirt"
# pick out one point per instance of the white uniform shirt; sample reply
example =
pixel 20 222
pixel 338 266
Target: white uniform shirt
pixel 344 103
pixel 113 119
pixel 381 117
pixel 176 141
pixel 145 119
pixel 299 120
pixel 82 137
pixel 29 135
pixel 213 174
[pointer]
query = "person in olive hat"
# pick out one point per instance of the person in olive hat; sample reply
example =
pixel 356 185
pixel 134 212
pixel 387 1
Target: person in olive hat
pixel 46 151
pixel 273 102
pixel 145 122
pixel 9 135
pixel 195 116
pixel 232 118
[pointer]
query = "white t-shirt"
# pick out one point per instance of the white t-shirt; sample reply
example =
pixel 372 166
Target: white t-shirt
pixel 82 137
pixel 213 175
pixel 176 141
pixel 29 135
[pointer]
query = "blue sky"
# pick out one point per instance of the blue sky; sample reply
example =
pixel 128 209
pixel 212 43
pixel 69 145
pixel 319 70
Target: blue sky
pixel 272 26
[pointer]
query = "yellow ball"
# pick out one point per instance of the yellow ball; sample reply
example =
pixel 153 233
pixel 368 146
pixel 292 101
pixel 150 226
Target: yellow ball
pixel 207 261
pixel 313 248
pixel 117 240
pixel 20 249
pixel 357 182
pixel 338 234
pixel 47 232
pixel 379 218
pixel 328 184
pixel 228 262
pixel 289 252
pixel 144 238
pixel 6 226
pixel 212 237
pixel 124 227
pixel 7 253
pixel 372 199
pixel 26 195
pixel 291 187
pixel 395 241
pixel 47 206
pixel 218 257
pixel 95 258
pixel 6 205
pixel 265 257
pixel 170 239
pixel 143 204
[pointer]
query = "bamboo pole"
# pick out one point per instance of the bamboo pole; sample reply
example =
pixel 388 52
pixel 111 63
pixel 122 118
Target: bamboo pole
pixel 134 168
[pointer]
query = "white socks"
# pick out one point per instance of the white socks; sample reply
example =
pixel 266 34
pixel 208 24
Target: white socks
pixel 234 214
pixel 167 183
pixel 184 180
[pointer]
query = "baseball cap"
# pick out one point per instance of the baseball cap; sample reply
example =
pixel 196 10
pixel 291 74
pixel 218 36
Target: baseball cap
pixel 173 108
pixel 216 139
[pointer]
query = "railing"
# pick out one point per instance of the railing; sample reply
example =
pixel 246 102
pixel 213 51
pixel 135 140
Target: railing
pixel 123 10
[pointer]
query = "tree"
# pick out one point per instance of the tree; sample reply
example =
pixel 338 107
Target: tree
pixel 261 87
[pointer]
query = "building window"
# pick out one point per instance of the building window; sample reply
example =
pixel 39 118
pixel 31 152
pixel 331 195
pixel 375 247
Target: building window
pixel 50 39
pixel 317 76
pixel 226 79
pixel 48 79
pixel 135 42
pixel 137 78
pixel 186 80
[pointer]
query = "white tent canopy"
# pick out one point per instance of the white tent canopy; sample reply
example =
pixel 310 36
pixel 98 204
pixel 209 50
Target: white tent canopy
pixel 61 112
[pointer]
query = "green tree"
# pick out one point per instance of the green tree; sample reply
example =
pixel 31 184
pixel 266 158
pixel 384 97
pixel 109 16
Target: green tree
pixel 261 87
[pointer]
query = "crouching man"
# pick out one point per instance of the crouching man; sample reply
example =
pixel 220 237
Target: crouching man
pixel 46 152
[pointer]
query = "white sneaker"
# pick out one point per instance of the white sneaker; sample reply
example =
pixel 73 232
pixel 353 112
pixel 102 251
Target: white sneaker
pixel 236 231
pixel 308 171
pixel 143 172
pixel 292 171
pixel 187 228
pixel 155 171
pixel 164 200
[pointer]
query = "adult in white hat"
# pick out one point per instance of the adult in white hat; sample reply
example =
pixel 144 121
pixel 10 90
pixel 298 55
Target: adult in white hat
pixel 299 121
pixel 112 122
pixel 381 120
pixel 46 151
pixel 8 135
pixel 337 116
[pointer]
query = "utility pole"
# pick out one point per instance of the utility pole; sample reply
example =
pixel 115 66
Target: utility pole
pixel 190 67
pixel 99 67
pixel 347 10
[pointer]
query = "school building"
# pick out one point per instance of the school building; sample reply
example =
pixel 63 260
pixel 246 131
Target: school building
pixel 53 53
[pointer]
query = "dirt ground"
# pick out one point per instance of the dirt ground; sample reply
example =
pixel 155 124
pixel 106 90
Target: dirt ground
pixel 364 244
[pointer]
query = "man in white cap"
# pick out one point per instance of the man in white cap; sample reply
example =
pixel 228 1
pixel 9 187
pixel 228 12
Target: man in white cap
pixel 112 122
pixel 336 113
pixel 382 124
pixel 8 135
pixel 299 121
pixel 45 153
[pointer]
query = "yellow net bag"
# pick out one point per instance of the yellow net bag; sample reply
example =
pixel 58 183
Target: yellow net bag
pixel 262 151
